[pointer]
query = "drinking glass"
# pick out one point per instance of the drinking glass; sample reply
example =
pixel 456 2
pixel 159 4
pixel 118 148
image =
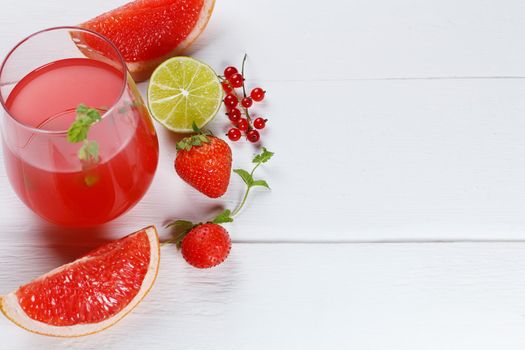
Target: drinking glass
pixel 42 82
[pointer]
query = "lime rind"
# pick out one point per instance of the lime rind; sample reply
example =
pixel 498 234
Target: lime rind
pixel 183 90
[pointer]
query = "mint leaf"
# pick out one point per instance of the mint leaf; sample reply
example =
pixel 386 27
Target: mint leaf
pixel 86 117
pixel 93 116
pixel 82 109
pixel 91 180
pixel 77 132
pixel 260 183
pixel 223 217
pixel 247 178
pixel 263 157
pixel 88 151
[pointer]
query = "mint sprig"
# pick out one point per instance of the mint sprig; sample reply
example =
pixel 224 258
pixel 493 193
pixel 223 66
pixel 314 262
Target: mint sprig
pixel 223 217
pixel 78 132
pixel 248 178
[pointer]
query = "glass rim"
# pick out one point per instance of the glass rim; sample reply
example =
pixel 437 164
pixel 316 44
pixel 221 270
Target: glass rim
pixel 61 28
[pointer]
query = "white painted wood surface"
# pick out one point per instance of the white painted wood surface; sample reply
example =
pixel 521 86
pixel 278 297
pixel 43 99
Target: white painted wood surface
pixel 315 296
pixel 392 121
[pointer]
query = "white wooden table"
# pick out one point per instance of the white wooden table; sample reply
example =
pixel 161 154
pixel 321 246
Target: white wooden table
pixel 396 215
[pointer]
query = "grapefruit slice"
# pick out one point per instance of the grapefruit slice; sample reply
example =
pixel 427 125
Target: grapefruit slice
pixel 91 293
pixel 147 32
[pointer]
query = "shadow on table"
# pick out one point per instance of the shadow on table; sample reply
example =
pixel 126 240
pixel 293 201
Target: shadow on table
pixel 68 244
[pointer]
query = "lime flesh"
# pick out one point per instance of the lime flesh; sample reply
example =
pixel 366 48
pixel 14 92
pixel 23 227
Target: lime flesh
pixel 183 91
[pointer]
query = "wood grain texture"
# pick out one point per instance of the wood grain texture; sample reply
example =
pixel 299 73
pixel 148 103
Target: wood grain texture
pixel 359 296
pixel 392 120
pixel 429 159
pixel 397 160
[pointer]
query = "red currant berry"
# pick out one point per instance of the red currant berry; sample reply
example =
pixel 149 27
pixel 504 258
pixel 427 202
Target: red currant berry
pixel 259 123
pixel 229 71
pixel 226 86
pixel 231 101
pixel 236 80
pixel 234 114
pixel 246 102
pixel 257 94
pixel 253 136
pixel 234 134
pixel 243 125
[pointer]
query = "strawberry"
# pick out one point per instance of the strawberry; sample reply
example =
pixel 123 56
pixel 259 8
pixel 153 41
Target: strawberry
pixel 205 163
pixel 203 245
pixel 206 245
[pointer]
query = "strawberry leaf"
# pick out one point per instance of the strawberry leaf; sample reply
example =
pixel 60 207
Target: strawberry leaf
pixel 260 183
pixel 181 229
pixel 263 157
pixel 188 142
pixel 246 177
pixel 182 225
pixel 195 128
pixel 223 217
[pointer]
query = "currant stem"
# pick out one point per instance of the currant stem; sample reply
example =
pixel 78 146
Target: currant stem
pixel 244 92
pixel 242 73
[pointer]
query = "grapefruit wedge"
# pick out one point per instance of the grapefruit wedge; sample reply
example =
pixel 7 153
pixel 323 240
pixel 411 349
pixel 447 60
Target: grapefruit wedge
pixel 91 293
pixel 147 32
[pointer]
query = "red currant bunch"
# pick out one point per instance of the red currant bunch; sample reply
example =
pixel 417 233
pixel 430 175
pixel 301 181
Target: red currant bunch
pixel 238 105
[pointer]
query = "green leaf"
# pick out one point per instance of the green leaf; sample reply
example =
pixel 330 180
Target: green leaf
pixel 260 183
pixel 223 217
pixel 93 115
pixel 89 151
pixel 181 225
pixel 77 132
pixel 85 118
pixel 91 180
pixel 195 128
pixel 82 109
pixel 196 141
pixel 247 178
pixel 263 157
pixel 182 144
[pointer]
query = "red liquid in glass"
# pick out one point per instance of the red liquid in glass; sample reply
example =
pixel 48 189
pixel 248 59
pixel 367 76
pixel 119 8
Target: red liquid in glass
pixel 44 168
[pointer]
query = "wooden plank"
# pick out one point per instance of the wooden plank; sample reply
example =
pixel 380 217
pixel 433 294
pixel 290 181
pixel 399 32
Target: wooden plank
pixel 368 161
pixel 336 39
pixel 364 296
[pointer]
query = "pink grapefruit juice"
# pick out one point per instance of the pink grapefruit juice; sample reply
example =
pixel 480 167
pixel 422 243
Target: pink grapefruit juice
pixel 44 167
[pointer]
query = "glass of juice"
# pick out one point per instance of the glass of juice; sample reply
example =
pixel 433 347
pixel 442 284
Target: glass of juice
pixel 42 82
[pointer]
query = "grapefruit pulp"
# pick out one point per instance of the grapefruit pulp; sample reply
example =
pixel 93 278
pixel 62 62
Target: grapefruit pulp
pixel 147 32
pixel 91 293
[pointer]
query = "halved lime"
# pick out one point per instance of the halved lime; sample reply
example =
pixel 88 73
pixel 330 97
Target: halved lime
pixel 183 90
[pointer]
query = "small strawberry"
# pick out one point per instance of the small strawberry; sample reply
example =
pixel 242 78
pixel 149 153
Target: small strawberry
pixel 204 162
pixel 206 245
pixel 203 245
